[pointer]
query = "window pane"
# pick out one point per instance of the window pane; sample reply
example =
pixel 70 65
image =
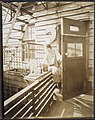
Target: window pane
pixel 79 49
pixel 71 50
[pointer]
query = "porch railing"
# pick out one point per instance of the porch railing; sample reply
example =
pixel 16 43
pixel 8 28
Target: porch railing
pixel 32 101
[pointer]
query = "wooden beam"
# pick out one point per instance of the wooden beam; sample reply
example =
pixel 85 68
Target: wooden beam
pixel 14 38
pixel 23 10
pixel 57 4
pixel 62 9
pixel 18 30
pixel 84 104
pixel 63 13
pixel 13 22
pixel 48 23
pixel 47 4
pixel 8 6
pixel 28 5
pixel 6 11
pixel 44 5
pixel 40 10
pixel 22 21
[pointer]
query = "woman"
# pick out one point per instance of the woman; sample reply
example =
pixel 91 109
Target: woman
pixel 53 60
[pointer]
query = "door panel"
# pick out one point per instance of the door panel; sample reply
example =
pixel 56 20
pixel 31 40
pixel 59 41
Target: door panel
pixel 74 76
pixel 74 68
pixel 74 62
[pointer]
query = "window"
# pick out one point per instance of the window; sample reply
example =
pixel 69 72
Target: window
pixel 33 52
pixel 79 50
pixel 74 50
pixel 71 49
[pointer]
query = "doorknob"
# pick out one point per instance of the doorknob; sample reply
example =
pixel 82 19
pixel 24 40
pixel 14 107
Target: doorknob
pixel 66 54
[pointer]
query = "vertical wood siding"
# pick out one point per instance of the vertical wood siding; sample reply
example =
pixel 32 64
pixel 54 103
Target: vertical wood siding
pixel 91 49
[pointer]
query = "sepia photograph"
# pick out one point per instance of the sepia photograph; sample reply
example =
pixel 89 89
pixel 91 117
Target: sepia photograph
pixel 48 59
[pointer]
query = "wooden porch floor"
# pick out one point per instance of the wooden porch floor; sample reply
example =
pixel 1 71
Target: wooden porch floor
pixel 77 107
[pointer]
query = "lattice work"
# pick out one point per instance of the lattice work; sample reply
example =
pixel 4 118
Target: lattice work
pixel 12 57
pixel 33 53
pixel 15 58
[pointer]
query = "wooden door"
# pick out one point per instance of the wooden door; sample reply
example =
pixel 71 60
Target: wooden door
pixel 74 75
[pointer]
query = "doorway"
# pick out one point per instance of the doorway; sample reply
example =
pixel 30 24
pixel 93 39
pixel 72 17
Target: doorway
pixel 74 66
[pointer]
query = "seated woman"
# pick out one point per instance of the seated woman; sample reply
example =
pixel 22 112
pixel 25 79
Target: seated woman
pixel 53 60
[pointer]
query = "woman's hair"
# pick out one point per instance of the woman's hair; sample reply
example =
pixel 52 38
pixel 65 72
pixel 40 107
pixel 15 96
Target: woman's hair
pixel 48 46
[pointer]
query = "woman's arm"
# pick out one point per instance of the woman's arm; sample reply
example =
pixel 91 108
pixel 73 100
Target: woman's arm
pixel 59 57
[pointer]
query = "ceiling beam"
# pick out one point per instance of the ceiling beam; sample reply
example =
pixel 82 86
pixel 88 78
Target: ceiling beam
pixel 29 5
pixel 22 9
pixel 8 6
pixel 22 21
pixel 13 7
pixel 57 4
pixel 44 5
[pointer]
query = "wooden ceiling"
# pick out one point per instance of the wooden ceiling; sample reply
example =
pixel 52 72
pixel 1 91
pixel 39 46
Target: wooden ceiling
pixel 31 7
pixel 76 10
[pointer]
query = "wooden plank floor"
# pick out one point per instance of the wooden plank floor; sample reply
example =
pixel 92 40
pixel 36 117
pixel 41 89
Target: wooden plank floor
pixel 80 106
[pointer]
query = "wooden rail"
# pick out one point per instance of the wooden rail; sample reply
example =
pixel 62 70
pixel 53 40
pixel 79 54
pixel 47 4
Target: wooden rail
pixel 13 83
pixel 31 101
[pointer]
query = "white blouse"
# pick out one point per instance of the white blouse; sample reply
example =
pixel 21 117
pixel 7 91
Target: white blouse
pixel 49 58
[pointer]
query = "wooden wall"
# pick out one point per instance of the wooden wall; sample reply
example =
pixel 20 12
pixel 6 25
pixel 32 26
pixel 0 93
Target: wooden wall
pixel 91 49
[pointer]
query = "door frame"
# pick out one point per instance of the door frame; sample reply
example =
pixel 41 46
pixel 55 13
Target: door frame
pixel 63 35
